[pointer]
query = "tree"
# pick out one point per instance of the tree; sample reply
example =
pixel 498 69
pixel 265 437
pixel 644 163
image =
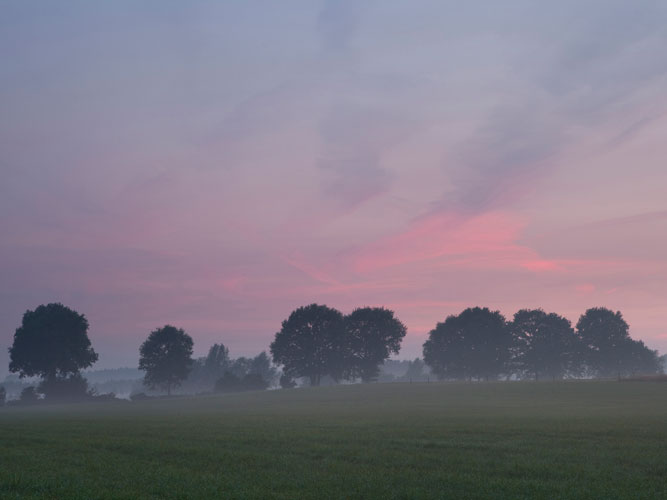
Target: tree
pixel 473 345
pixel 311 343
pixel 166 357
pixel 217 359
pixel 372 334
pixel 228 383
pixel 642 360
pixel 261 365
pixel 545 344
pixel 52 342
pixel 606 342
pixel 3 396
pixel 415 371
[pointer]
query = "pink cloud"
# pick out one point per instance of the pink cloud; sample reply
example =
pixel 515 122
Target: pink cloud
pixel 486 240
pixel 585 288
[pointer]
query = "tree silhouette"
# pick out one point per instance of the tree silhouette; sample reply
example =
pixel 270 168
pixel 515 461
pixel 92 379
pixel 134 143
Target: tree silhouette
pixel 166 356
pixel 3 396
pixel 606 341
pixel 217 358
pixel 473 345
pixel 372 334
pixel 642 360
pixel 545 344
pixel 415 371
pixel 213 366
pixel 261 365
pixel 311 343
pixel 52 342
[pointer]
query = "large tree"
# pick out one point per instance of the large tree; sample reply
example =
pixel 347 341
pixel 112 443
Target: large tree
pixel 372 334
pixel 473 345
pixel 52 342
pixel 311 343
pixel 545 345
pixel 606 342
pixel 166 357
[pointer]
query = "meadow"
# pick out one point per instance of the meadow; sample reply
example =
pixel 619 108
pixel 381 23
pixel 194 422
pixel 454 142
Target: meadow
pixel 596 440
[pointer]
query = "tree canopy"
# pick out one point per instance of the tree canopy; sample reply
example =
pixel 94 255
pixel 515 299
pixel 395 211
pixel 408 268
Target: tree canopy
pixel 472 345
pixel 545 344
pixel 311 343
pixel 606 339
pixel 166 357
pixel 372 334
pixel 52 342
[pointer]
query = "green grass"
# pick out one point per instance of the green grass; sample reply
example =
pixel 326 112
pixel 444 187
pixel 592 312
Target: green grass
pixel 597 440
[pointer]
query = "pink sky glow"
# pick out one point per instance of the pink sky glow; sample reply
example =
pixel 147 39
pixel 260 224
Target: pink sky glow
pixel 215 166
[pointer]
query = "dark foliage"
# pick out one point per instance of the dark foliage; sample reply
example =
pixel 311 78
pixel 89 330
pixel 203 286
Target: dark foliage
pixel 473 345
pixel 166 357
pixel 372 334
pixel 3 396
pixel 415 371
pixel 311 343
pixel 227 383
pixel 254 382
pixel 287 382
pixel 641 360
pixel 608 349
pixel 207 371
pixel 52 342
pixel 545 345
pixel 72 388
pixel 29 396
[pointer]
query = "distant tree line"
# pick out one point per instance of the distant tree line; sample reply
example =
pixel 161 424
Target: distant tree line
pixel 479 344
pixel 317 342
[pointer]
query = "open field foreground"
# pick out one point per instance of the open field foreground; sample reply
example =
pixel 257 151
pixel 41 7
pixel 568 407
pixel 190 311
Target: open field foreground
pixel 597 440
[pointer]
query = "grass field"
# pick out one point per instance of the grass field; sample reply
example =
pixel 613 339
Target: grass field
pixel 597 440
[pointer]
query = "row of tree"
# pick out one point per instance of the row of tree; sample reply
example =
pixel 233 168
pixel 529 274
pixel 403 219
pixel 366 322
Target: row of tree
pixel 476 344
pixel 481 344
pixel 317 341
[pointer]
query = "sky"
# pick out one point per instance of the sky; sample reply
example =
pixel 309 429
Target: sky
pixel 215 165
